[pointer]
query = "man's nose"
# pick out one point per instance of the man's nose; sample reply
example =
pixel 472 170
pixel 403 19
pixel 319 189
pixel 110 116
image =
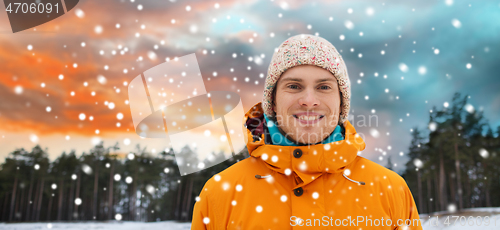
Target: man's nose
pixel 309 99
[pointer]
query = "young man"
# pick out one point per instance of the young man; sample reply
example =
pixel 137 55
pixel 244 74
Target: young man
pixel 303 171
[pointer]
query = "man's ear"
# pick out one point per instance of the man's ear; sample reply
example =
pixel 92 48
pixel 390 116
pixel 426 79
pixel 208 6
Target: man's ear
pixel 274 107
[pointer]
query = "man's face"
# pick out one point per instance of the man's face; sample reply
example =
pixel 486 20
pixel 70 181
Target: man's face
pixel 307 103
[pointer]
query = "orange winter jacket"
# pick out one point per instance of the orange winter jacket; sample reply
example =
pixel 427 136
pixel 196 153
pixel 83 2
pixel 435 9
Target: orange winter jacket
pixel 322 186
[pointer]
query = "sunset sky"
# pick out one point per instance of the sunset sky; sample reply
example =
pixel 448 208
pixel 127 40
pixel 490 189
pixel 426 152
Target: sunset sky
pixel 403 58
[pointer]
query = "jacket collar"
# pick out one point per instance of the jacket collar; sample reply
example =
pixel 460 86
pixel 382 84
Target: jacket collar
pixel 278 138
pixel 315 159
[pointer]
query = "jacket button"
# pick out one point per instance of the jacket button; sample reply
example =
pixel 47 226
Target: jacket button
pixel 298 191
pixel 297 153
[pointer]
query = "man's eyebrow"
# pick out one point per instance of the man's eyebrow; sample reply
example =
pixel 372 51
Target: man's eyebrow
pixel 326 79
pixel 300 79
pixel 292 79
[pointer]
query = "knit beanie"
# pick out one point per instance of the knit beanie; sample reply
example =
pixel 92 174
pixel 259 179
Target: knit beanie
pixel 305 49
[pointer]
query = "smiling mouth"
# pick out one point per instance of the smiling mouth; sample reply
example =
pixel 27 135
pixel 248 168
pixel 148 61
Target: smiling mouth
pixel 309 118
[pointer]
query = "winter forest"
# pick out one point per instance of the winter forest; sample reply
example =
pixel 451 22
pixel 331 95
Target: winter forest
pixel 454 161
pixel 102 184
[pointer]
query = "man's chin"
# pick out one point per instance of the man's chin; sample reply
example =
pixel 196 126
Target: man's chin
pixel 304 134
pixel 309 142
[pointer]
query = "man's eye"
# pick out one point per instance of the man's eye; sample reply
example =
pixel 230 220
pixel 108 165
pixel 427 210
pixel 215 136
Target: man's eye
pixel 292 86
pixel 325 87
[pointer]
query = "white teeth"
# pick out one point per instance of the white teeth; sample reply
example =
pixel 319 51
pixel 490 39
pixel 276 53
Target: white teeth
pixel 308 118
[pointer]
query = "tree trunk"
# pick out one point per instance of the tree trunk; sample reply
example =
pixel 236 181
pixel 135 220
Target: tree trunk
pixel 487 186
pixel 16 209
pixel 487 191
pixel 22 204
pixel 187 198
pixel 2 208
pixel 436 197
pixel 429 192
pixel 452 188
pixel 131 212
pixel 102 205
pixel 184 200
pixel 468 192
pixel 139 211
pixel 96 179
pixel 420 198
pixel 442 183
pixel 129 203
pixel 134 197
pixel 110 198
pixel 60 203
pixel 29 204
pixel 190 196
pixel 49 210
pixel 33 214
pixel 5 204
pixel 85 207
pixel 77 195
pixel 40 199
pixel 70 200
pixel 13 199
pixel 178 201
pixel 459 179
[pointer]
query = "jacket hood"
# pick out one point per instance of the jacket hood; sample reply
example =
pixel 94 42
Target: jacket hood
pixel 315 159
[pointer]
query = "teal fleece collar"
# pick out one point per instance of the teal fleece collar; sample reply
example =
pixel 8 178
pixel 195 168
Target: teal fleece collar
pixel 278 138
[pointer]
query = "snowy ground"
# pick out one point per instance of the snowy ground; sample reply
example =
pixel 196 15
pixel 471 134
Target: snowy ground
pixel 124 225
pixel 470 219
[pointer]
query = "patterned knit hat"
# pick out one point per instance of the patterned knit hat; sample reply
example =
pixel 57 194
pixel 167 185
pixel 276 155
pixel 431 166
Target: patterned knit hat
pixel 307 49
